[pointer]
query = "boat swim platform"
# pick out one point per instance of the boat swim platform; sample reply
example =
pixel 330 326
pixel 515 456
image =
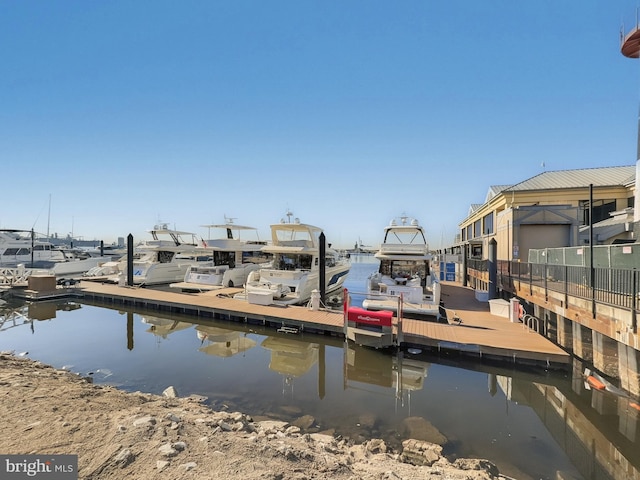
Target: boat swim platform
pixel 480 334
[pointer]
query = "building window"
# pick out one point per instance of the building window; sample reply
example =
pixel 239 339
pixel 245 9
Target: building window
pixel 477 228
pixel 487 221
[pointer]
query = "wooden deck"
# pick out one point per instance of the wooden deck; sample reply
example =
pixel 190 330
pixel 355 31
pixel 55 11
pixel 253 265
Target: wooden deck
pixel 480 333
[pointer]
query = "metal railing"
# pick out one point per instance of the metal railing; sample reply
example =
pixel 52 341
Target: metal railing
pixel 617 287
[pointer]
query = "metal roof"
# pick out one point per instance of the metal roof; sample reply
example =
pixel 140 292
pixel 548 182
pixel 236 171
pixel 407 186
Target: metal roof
pixel 474 207
pixel 495 190
pixel 580 178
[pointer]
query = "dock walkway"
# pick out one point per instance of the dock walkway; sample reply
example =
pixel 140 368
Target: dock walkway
pixel 480 333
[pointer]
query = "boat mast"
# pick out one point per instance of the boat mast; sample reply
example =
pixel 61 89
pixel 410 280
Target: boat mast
pixel 49 217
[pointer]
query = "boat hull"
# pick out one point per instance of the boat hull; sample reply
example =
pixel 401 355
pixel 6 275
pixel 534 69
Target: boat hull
pixel 295 287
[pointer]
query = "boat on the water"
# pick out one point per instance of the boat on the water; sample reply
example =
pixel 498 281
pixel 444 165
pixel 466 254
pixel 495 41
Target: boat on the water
pixel 113 250
pixel 232 259
pixel 295 270
pixel 404 272
pixel 162 260
pixel 19 249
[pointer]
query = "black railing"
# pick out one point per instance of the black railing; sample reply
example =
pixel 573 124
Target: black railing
pixel 477 264
pixel 617 287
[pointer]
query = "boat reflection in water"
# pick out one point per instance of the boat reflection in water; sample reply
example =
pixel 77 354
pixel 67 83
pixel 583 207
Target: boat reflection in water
pixel 291 358
pixel 221 342
pixel 162 327
pixel 531 423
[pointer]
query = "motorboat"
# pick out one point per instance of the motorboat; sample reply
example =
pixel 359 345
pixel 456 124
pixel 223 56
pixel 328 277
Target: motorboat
pixel 106 271
pixel 167 257
pixel 404 272
pixel 75 262
pixel 162 260
pixel 233 259
pixel 17 248
pixel 295 270
pixel 164 265
pixel 112 250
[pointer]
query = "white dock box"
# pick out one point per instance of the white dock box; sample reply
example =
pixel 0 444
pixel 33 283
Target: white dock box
pixel 260 298
pixel 499 307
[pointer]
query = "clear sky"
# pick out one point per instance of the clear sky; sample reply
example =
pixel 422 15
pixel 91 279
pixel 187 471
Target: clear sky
pixel 116 115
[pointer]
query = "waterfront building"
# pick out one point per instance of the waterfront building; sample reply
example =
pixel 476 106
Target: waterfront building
pixel 549 210
pixel 530 243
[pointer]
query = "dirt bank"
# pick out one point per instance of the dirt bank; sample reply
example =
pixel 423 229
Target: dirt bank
pixel 120 435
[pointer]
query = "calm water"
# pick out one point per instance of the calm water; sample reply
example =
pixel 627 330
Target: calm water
pixel 530 423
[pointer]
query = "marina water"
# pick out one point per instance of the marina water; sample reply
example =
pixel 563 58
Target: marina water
pixel 530 423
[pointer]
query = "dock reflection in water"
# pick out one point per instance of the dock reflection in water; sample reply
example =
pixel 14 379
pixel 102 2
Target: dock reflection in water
pixel 531 424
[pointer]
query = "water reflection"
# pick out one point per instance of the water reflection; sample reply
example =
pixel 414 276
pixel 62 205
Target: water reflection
pixel 14 314
pixel 162 326
pixel 531 423
pixel 291 358
pixel 222 342
pixel 397 373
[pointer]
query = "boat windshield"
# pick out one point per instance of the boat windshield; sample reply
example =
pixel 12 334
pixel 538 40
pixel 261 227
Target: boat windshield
pixel 292 261
pixel 256 257
pixel 224 258
pixel 405 237
pixel 404 268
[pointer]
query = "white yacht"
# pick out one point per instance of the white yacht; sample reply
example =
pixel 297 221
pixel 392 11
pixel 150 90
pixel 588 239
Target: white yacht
pixel 404 272
pixel 164 265
pixel 75 262
pixel 112 250
pixel 166 258
pixel 233 259
pixel 295 269
pixel 18 249
pixel 162 260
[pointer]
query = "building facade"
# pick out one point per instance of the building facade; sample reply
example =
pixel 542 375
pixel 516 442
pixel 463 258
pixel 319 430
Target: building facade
pixel 550 210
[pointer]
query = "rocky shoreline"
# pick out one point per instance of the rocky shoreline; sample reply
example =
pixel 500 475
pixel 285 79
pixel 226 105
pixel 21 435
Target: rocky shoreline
pixel 143 436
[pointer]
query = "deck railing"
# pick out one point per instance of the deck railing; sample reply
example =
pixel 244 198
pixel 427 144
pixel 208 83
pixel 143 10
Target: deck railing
pixel 616 287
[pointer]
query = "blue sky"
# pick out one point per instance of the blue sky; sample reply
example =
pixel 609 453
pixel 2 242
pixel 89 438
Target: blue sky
pixel 115 115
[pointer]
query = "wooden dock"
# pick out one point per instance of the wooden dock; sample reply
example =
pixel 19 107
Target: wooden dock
pixel 480 334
